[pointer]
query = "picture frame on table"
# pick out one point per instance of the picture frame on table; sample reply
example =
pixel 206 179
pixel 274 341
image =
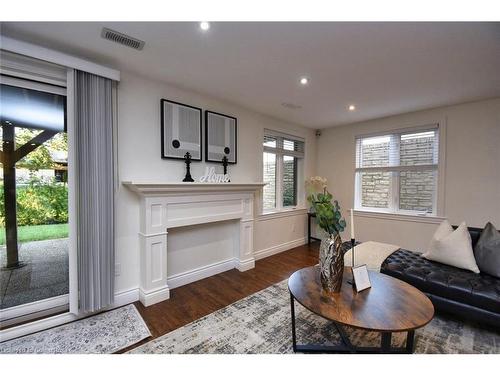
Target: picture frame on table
pixel 361 278
pixel 221 137
pixel 181 130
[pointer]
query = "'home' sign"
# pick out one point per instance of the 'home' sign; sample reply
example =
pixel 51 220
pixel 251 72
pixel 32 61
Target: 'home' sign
pixel 212 177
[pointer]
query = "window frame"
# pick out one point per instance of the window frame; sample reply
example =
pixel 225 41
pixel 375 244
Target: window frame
pixel 439 169
pixel 280 152
pixel 58 304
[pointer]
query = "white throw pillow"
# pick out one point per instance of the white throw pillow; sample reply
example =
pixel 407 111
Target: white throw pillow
pixel 452 247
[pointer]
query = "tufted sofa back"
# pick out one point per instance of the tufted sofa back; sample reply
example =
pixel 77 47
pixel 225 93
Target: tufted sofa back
pixel 474 234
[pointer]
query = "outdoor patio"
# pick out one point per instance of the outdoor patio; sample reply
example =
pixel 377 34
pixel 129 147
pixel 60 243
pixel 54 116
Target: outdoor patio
pixel 44 275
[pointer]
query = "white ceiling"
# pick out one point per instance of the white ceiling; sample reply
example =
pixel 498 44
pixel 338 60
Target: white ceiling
pixel 382 68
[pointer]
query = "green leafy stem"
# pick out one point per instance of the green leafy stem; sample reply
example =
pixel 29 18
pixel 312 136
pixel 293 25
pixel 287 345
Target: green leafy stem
pixel 328 213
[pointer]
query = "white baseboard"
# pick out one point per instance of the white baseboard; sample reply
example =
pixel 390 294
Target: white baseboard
pixel 125 298
pixel 200 273
pixel 245 265
pixel 226 265
pixel 264 253
pixel 149 298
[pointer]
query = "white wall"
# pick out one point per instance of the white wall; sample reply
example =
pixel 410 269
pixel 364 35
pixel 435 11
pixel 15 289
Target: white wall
pixel 472 170
pixel 139 160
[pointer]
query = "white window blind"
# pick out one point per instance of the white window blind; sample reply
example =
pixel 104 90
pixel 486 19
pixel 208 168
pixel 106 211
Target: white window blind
pixel 397 172
pixel 281 169
pixel 285 144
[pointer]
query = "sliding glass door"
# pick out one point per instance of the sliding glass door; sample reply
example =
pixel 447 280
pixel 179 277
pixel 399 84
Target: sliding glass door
pixel 34 271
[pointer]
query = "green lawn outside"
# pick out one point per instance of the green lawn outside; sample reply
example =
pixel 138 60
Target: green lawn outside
pixel 37 232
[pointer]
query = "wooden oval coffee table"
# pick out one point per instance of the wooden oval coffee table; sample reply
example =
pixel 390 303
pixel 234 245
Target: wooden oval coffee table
pixel 390 305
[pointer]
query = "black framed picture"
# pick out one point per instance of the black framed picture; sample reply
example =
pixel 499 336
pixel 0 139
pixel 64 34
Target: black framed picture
pixel 220 137
pixel 181 130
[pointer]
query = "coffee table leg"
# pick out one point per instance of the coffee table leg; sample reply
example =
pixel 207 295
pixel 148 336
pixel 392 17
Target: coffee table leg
pixel 410 340
pixel 386 342
pixel 292 308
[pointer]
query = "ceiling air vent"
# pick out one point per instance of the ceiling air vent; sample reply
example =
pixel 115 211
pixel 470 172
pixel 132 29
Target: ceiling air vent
pixel 123 39
pixel 291 106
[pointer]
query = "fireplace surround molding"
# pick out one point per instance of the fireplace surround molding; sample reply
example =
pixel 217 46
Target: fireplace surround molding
pixel 173 205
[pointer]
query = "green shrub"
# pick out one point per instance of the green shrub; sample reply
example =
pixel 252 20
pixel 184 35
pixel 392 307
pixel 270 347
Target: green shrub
pixel 39 203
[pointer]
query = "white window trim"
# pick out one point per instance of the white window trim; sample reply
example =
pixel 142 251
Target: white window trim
pixel 439 198
pixel 32 310
pixel 23 83
pixel 58 304
pixel 56 57
pixel 279 210
pixel 72 194
pixel 399 216
pixel 270 215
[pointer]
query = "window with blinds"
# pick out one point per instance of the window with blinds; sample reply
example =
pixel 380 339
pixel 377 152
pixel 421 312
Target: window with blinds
pixel 281 168
pixel 397 172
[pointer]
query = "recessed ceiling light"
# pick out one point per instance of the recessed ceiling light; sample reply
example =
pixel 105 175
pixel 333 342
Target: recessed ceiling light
pixel 204 25
pixel 304 81
pixel 351 107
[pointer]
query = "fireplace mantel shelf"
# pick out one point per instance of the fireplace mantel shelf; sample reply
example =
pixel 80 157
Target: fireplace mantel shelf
pixel 154 188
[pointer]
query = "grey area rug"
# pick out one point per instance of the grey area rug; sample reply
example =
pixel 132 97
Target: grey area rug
pixel 107 332
pixel 261 323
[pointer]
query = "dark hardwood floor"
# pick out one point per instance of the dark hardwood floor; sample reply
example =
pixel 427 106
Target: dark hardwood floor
pixel 190 302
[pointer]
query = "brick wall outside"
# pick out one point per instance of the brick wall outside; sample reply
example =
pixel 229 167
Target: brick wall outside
pixel 289 193
pixel 269 196
pixel 376 186
pixel 416 188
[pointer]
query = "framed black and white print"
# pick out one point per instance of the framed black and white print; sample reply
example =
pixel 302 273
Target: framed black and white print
pixel 180 130
pixel 220 137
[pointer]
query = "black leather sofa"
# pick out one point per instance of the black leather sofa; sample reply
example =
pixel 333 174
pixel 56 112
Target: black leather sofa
pixel 464 293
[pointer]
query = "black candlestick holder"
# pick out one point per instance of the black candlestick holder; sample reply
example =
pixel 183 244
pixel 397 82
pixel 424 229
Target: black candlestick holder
pixel 353 244
pixel 187 160
pixel 225 163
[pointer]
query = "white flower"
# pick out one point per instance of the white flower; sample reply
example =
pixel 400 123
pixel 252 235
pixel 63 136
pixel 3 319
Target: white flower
pixel 316 182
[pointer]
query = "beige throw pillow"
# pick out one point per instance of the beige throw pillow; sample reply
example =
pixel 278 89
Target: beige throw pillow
pixel 452 247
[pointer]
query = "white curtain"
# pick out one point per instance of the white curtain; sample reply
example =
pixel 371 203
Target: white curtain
pixel 94 180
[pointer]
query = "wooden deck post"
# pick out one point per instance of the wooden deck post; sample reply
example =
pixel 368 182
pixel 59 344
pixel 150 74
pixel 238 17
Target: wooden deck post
pixel 9 157
pixel 9 195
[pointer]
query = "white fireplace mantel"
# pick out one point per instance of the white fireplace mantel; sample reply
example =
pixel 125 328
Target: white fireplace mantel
pixel 173 205
pixel 151 188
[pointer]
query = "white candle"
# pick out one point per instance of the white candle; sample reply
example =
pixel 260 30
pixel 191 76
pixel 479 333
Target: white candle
pixel 352 223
